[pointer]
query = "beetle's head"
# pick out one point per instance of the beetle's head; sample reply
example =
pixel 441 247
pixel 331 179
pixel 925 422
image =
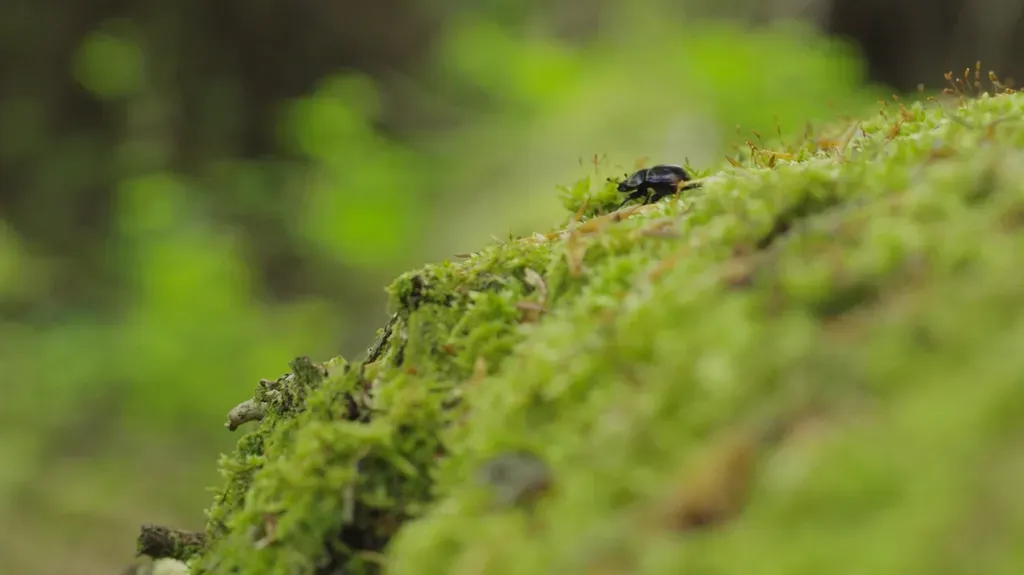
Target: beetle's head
pixel 634 181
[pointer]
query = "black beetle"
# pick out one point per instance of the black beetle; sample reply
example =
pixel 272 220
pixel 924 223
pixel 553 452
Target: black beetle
pixel 663 180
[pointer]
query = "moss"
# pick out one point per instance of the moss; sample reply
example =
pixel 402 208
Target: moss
pixel 857 292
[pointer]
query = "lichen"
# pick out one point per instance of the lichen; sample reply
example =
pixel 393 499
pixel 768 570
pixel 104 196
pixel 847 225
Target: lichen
pixel 164 543
pixel 856 293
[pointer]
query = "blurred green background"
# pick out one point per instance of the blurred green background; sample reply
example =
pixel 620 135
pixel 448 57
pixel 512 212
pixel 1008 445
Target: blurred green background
pixel 194 193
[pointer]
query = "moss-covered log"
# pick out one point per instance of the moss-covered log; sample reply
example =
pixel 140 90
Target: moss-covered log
pixel 812 364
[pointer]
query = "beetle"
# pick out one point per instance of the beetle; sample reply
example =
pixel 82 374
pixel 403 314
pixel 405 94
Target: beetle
pixel 663 180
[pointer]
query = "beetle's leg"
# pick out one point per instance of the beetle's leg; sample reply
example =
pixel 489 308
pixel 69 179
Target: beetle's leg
pixel 645 191
pixel 636 194
pixel 655 194
pixel 681 187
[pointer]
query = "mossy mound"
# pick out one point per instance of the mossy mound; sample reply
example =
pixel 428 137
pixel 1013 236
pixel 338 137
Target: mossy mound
pixel 812 364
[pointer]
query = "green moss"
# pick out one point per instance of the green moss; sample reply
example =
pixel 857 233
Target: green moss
pixel 879 282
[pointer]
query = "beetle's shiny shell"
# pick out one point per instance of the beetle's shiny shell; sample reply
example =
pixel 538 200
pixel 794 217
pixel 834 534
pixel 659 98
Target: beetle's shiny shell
pixel 661 174
pixel 666 174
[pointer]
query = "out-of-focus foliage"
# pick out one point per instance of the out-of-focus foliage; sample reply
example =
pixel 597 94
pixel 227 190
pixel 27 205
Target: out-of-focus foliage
pixel 362 200
pixel 110 63
pixel 211 269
